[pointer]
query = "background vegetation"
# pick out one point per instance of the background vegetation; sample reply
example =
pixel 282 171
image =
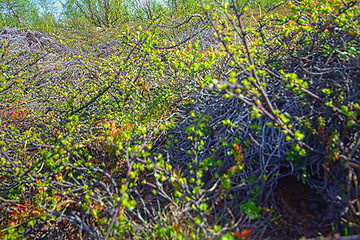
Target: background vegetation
pixel 180 120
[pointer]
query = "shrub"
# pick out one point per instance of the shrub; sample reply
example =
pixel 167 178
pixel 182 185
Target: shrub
pixel 203 137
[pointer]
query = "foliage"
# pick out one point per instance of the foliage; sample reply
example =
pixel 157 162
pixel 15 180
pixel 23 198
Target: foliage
pixel 15 13
pixel 109 13
pixel 285 71
pixel 158 136
pixel 28 14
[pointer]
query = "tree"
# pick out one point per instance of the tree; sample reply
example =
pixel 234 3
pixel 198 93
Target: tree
pixel 37 14
pixel 147 9
pixel 15 13
pixel 101 13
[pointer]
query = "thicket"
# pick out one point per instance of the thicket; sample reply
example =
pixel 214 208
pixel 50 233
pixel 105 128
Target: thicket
pixel 234 122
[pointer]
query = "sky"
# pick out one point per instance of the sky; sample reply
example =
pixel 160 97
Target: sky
pixel 58 5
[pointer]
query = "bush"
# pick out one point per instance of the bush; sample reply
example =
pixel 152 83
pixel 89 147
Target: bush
pixel 237 130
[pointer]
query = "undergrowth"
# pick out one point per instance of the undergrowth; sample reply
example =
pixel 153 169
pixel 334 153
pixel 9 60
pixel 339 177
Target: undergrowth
pixel 141 133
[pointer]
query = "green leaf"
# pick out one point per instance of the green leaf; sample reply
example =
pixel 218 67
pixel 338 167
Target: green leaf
pixel 227 237
pixel 217 228
pixel 32 222
pixel 307 28
pixel 350 123
pixel 196 190
pixel 21 230
pixel 302 153
pixel 327 91
pixel 299 136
